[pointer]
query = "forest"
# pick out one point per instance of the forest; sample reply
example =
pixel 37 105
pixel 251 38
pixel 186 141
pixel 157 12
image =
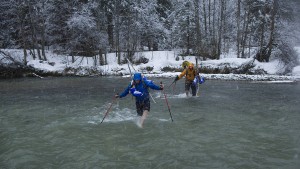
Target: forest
pixel 204 28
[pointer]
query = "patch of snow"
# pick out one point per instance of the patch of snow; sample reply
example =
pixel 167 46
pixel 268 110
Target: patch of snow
pixel 46 66
pixel 272 67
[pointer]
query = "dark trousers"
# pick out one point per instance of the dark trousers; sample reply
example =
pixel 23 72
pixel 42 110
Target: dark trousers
pixel 188 85
pixel 142 105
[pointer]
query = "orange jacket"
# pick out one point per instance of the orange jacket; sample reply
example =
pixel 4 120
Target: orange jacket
pixel 189 73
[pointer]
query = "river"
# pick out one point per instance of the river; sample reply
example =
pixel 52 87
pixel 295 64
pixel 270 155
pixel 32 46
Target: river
pixel 55 123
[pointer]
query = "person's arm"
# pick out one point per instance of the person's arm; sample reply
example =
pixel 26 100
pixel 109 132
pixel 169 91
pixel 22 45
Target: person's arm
pixel 153 86
pixel 125 92
pixel 182 74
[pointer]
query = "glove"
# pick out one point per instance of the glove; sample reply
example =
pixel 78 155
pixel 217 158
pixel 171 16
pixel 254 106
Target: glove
pixel 176 78
pixel 117 96
pixel 161 86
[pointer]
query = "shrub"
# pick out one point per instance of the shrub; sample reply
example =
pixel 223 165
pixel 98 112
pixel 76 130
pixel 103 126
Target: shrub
pixel 149 68
pixel 171 69
pixel 141 60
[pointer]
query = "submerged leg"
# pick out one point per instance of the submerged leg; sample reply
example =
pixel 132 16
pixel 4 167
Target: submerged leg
pixel 142 119
pixel 187 93
pixel 194 90
pixel 187 88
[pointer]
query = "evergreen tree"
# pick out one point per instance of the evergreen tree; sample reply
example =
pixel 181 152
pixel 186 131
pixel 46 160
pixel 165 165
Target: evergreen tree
pixel 57 28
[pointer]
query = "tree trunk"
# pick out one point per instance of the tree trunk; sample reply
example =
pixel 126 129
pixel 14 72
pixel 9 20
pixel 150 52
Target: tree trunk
pixel 225 38
pixel 238 28
pixel 43 41
pixel 118 52
pixel 209 15
pixel 214 21
pixel 221 28
pixel 39 52
pixel 43 35
pixel 198 31
pixel 213 37
pixel 110 30
pixel 25 55
pixel 188 46
pixel 101 58
pixel 95 60
pixel 205 18
pixel 245 31
pixel 249 44
pixel 23 43
pixel 260 56
pixel 272 30
pixel 33 34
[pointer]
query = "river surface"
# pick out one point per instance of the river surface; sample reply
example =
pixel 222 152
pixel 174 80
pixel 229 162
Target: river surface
pixel 55 123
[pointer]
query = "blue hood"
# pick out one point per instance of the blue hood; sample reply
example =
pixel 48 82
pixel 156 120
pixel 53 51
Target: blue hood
pixel 137 76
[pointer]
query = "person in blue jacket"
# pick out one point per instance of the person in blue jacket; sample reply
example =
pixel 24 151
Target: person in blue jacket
pixel 138 87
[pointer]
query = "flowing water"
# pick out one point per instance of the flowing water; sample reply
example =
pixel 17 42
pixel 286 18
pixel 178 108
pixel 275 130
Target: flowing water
pixel 55 123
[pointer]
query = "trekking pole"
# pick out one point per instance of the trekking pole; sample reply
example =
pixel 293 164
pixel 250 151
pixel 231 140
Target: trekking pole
pixel 130 64
pixel 167 104
pixel 114 99
pixel 172 83
pixel 152 98
pixel 174 88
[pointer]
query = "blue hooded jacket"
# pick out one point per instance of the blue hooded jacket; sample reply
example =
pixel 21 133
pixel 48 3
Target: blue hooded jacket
pixel 140 91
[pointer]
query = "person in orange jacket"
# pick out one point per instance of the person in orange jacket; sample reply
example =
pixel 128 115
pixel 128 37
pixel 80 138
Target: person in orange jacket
pixel 190 73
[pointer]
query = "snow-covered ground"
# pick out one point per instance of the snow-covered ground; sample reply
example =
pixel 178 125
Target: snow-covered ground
pixel 296 70
pixel 157 60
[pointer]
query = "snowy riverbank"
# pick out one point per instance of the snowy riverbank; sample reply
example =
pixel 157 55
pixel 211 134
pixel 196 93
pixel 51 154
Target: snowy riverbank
pixel 160 64
pixel 236 77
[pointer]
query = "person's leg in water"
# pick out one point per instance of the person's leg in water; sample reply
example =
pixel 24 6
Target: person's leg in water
pixel 187 93
pixel 187 88
pixel 139 110
pixel 194 89
pixel 142 119
pixel 143 109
